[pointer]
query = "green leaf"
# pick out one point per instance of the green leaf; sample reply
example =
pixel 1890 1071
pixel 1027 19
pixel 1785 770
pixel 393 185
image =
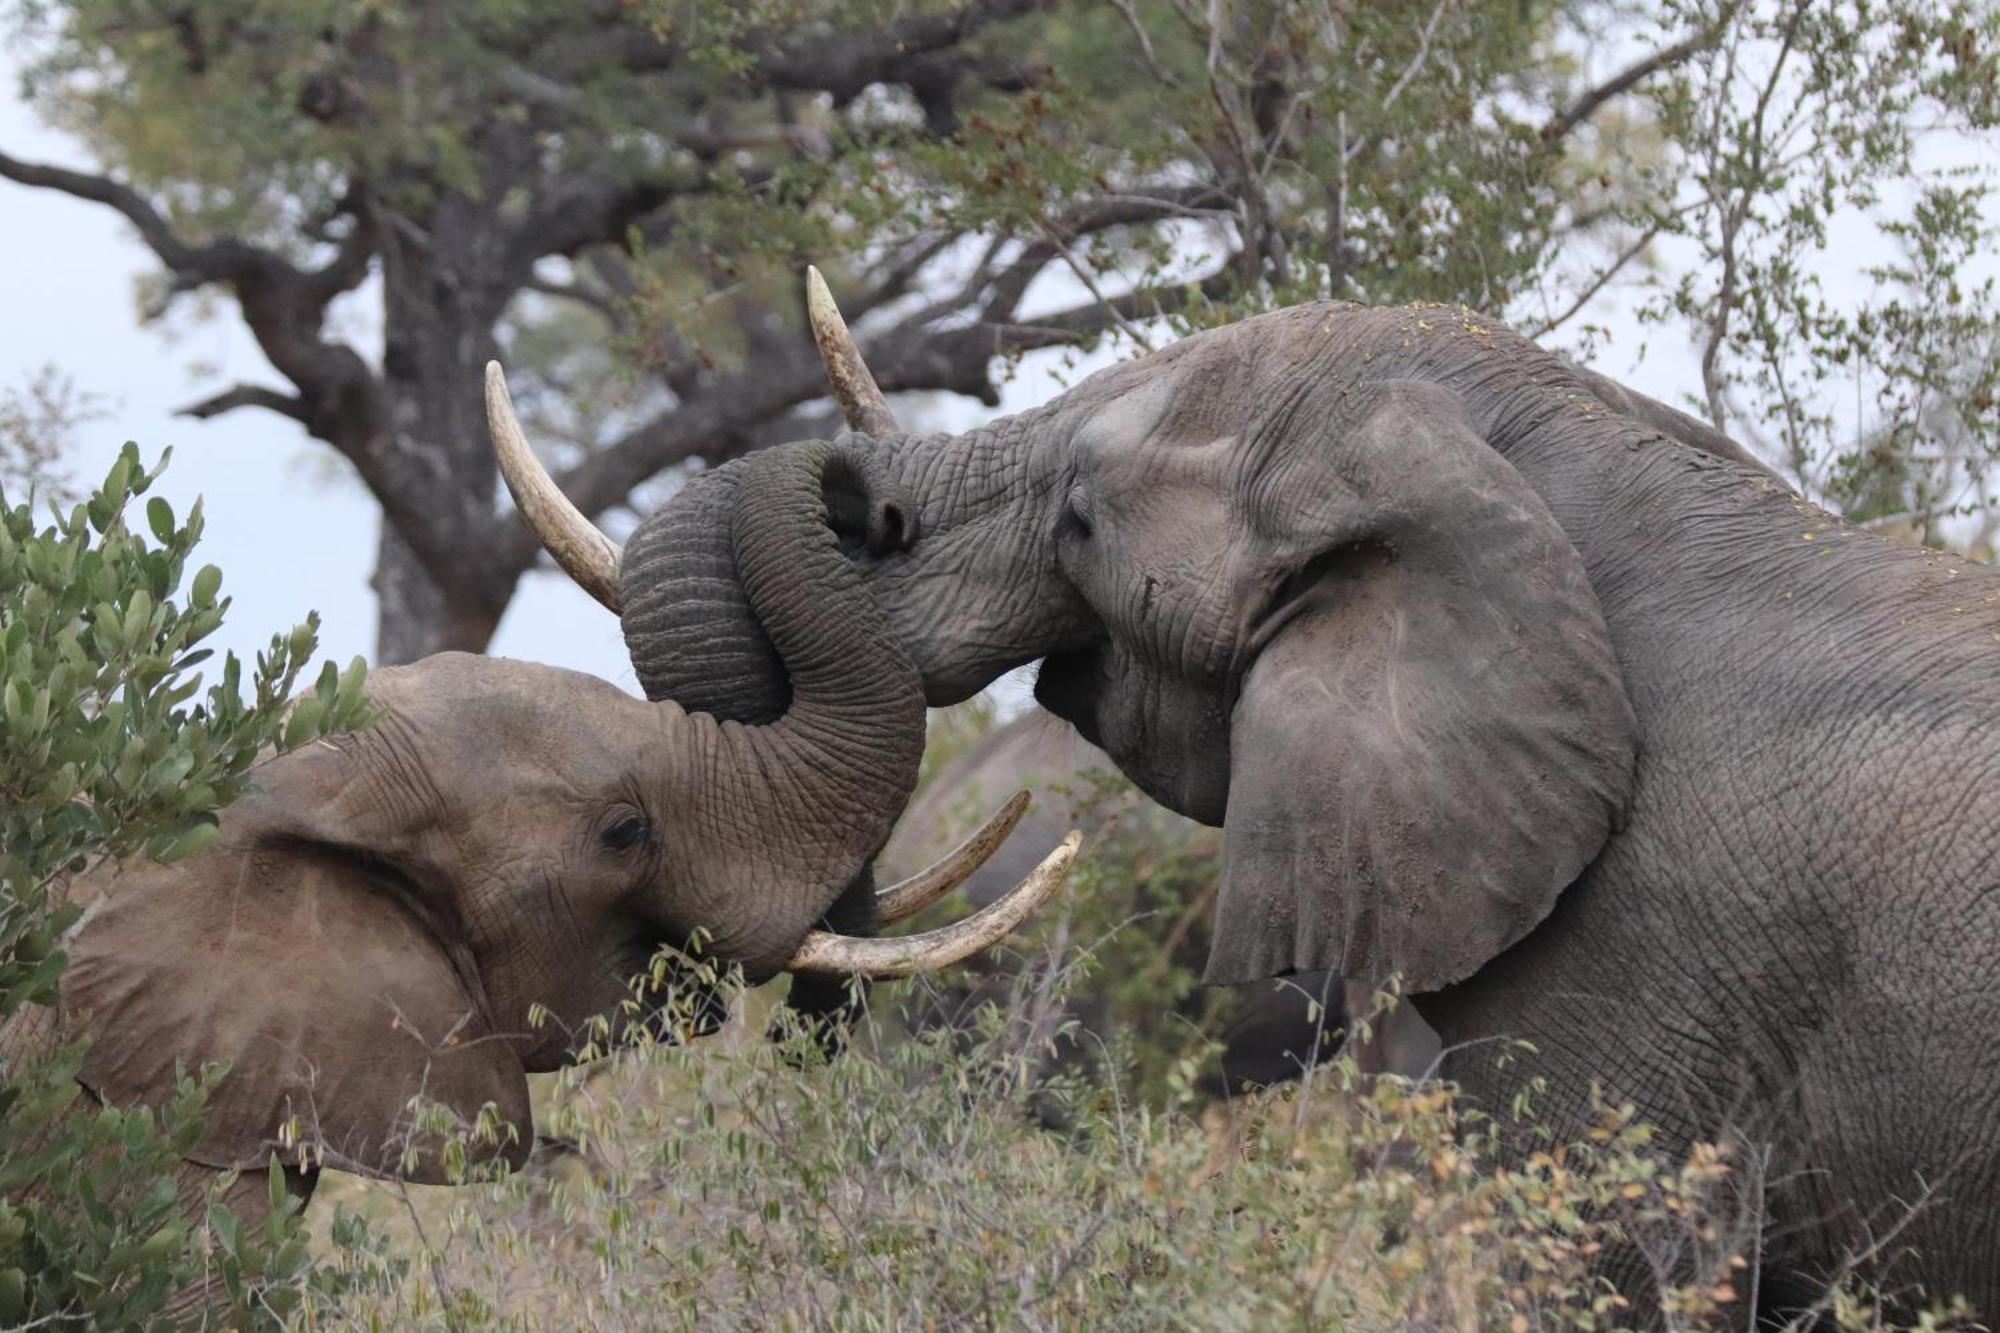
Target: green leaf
pixel 304 722
pixel 160 518
pixel 138 618
pixel 206 584
pixel 196 834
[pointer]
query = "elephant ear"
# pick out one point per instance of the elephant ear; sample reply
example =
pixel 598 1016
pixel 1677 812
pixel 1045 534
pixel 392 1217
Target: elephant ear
pixel 1436 741
pixel 296 949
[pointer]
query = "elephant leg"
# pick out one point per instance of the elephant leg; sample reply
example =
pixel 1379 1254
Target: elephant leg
pixel 248 1198
pixel 1398 1040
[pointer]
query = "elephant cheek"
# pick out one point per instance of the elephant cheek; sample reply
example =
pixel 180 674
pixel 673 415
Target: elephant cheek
pixel 1169 736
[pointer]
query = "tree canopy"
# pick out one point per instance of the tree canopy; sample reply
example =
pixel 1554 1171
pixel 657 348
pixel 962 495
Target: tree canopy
pixel 622 195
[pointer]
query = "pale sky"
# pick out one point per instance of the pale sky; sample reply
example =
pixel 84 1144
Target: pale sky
pixel 289 527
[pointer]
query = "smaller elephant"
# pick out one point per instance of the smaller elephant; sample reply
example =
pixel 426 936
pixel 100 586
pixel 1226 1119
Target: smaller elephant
pixel 1270 1031
pixel 451 898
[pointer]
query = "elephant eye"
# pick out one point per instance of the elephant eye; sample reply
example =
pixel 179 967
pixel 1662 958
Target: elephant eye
pixel 627 833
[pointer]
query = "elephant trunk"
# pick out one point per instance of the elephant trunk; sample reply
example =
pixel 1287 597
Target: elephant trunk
pixel 786 811
pixel 823 716
pixel 856 715
pixel 688 623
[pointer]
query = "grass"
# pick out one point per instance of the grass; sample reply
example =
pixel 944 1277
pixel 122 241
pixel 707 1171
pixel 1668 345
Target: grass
pixel 740 1184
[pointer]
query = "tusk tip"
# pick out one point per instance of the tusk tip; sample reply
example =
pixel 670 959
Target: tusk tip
pixel 584 553
pixel 820 308
pixel 888 959
pixel 909 896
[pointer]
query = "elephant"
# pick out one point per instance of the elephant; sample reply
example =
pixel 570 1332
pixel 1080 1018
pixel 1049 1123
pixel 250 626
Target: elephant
pixel 1270 1032
pixel 442 902
pixel 1502 680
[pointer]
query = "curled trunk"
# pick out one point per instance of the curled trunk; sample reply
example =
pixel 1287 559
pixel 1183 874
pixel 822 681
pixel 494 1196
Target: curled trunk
pixel 687 618
pixel 818 786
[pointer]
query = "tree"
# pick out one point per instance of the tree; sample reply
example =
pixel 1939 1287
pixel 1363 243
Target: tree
pixel 665 169
pixel 1884 403
pixel 286 154
pixel 624 194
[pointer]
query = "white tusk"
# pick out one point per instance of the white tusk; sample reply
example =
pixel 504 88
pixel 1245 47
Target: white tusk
pixel 907 897
pixel 585 554
pixel 906 955
pixel 854 387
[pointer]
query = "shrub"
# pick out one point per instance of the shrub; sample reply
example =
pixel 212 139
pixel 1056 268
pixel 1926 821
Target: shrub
pixel 734 1184
pixel 104 752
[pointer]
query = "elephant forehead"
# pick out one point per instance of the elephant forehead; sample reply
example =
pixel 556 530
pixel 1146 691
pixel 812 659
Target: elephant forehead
pixel 502 713
pixel 1184 420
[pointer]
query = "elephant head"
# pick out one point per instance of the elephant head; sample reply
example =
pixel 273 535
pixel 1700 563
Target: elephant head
pixel 1278 569
pixel 442 902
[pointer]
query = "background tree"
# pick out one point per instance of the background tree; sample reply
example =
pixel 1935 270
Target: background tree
pixel 623 195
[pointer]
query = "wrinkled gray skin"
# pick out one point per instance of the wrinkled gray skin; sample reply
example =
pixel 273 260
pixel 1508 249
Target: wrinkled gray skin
pixel 1526 688
pixel 381 914
pixel 1281 1027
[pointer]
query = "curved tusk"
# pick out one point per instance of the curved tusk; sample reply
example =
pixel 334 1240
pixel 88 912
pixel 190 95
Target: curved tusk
pixel 854 387
pixel 585 554
pixel 907 897
pixel 906 955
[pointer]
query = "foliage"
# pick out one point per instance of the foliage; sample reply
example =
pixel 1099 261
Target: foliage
pixel 1126 942
pixel 102 754
pixel 1798 119
pixel 35 423
pixel 737 1184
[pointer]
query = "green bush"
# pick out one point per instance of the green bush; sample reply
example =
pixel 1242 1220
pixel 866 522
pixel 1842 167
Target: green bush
pixel 1132 929
pixel 105 751
pixel 733 1184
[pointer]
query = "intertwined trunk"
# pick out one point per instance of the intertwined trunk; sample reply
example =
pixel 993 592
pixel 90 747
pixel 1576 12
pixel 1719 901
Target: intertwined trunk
pixel 837 765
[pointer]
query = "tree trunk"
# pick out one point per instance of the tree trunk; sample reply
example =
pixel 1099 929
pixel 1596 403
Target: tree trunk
pixel 416 617
pixel 439 338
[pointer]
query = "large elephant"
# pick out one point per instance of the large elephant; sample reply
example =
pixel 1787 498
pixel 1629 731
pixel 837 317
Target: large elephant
pixel 393 911
pixel 1268 1032
pixel 1509 682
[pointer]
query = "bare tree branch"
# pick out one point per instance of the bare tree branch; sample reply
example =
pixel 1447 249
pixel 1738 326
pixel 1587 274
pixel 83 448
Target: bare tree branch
pixel 1583 108
pixel 596 301
pixel 215 261
pixel 1611 270
pixel 246 395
